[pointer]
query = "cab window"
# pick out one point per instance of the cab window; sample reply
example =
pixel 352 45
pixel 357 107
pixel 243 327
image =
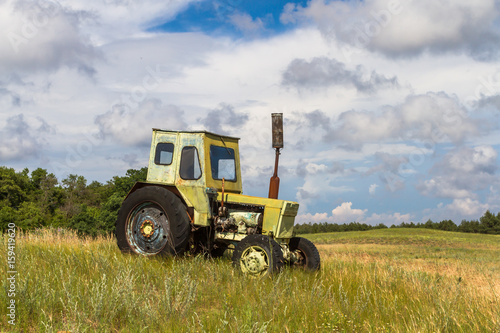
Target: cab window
pixel 164 153
pixel 223 163
pixel 190 164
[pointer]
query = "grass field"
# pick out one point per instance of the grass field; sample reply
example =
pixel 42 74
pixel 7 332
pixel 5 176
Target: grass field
pixel 390 280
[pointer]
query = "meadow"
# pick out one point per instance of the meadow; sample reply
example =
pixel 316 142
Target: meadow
pixel 387 280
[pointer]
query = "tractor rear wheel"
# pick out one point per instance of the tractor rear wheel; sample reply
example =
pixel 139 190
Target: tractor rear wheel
pixel 152 221
pixel 258 256
pixel 306 252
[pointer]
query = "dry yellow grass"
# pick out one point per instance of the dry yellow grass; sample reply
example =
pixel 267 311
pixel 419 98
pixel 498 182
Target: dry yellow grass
pixel 390 281
pixel 480 279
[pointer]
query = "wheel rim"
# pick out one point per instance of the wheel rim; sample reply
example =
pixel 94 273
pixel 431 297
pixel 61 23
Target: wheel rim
pixel 148 228
pixel 254 261
pixel 301 260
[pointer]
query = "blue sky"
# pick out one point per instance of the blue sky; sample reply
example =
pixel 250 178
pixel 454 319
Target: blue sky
pixel 215 17
pixel 391 107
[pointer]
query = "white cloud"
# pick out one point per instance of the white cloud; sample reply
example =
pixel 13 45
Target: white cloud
pixel 345 214
pixel 462 172
pixel 133 126
pixel 467 208
pixel 224 120
pixel 372 189
pixel 43 35
pixel 406 28
pixel 122 19
pixel 432 118
pixel 322 72
pixel 388 219
pixel 22 137
pixel 245 23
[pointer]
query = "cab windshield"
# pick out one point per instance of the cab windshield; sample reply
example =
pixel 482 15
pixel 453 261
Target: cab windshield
pixel 223 163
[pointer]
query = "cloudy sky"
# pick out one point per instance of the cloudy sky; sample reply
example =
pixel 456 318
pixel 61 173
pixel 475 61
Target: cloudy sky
pixel 391 107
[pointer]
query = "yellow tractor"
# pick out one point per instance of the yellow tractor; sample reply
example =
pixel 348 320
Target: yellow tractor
pixel 192 201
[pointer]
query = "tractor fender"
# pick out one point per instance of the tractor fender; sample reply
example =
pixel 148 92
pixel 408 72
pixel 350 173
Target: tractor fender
pixel 170 188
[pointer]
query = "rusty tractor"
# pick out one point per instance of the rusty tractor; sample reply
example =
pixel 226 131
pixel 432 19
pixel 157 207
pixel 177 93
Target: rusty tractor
pixel 192 202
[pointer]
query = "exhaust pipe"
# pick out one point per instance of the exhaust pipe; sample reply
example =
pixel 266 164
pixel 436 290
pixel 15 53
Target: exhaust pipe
pixel 277 125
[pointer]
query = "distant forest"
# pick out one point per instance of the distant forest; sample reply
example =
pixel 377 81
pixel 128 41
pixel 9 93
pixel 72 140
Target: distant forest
pixel 488 224
pixel 38 199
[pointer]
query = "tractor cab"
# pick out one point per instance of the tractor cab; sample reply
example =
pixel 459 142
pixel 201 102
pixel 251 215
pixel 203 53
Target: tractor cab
pixel 195 159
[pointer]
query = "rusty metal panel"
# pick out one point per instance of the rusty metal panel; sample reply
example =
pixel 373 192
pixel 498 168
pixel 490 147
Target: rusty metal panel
pixel 250 200
pixel 193 190
pixel 196 197
pixel 277 126
pixel 284 229
pixel 164 174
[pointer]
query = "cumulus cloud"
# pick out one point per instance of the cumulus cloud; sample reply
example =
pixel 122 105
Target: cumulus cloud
pixel 372 189
pixel 15 92
pixel 321 181
pixel 246 24
pixel 44 35
pixel 121 19
pixel 224 120
pixel 305 168
pixel 432 118
pixel 461 173
pixel 467 207
pixel 47 35
pixel 406 28
pixel 323 72
pixel 387 219
pixel 389 168
pixel 490 101
pixel 23 138
pixel 14 97
pixel 344 213
pixel 133 126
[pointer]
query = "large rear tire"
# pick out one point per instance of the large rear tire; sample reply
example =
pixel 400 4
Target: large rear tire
pixel 258 256
pixel 306 252
pixel 153 221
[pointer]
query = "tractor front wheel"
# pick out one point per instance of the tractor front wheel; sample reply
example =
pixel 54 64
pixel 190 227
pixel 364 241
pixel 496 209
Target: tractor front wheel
pixel 258 256
pixel 307 255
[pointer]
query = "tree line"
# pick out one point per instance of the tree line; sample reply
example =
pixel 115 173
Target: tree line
pixel 38 199
pixel 489 223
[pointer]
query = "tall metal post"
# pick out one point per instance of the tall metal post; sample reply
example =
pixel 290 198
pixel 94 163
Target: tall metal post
pixel 277 125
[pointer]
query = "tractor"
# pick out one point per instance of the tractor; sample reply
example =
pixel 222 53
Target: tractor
pixel 193 202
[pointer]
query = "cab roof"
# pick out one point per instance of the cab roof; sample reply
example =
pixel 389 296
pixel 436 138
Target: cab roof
pixel 196 132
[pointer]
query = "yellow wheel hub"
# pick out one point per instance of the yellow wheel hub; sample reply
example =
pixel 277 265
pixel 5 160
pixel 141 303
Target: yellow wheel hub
pixel 147 228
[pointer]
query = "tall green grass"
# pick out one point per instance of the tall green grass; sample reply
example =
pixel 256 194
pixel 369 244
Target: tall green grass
pixel 377 281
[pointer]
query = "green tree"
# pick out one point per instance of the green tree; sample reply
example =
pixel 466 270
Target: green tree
pixel 14 187
pixel 85 222
pixel 122 185
pixel 47 192
pixel 30 216
pixel 109 213
pixel 7 215
pixel 490 223
pixel 447 225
